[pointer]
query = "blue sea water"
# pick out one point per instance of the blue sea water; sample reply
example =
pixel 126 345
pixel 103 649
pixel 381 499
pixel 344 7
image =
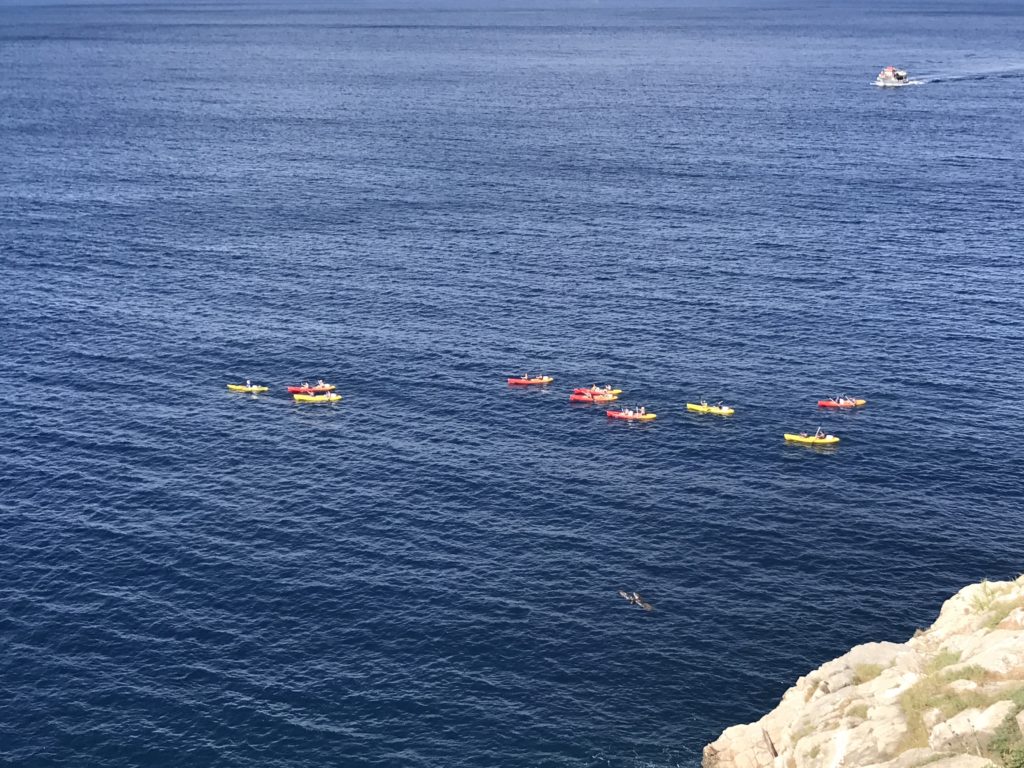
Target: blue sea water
pixel 415 200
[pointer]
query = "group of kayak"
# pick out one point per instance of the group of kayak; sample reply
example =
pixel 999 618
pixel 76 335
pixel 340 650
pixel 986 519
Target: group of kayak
pixel 321 392
pixel 595 394
pixel 591 394
pixel 820 437
pixel 606 394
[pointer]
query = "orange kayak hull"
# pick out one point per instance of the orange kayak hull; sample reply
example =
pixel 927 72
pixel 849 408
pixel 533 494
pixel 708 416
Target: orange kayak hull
pixel 579 397
pixel 622 415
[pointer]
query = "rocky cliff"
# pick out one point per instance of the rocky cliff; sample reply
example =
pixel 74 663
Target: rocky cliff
pixel 950 697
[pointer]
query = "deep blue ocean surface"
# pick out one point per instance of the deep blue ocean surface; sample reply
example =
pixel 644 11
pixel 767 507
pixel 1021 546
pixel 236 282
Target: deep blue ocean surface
pixel 682 198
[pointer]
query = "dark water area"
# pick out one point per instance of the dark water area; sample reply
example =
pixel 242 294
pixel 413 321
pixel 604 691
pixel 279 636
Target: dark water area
pixel 414 201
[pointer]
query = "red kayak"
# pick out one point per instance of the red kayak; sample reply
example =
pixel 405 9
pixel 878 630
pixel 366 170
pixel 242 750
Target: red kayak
pixel 520 381
pixel 631 415
pixel 589 397
pixel 319 389
pixel 841 403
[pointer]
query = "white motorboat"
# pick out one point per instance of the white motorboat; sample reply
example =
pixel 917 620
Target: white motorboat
pixel 891 77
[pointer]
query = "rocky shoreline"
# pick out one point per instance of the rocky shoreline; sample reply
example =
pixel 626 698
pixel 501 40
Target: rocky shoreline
pixel 950 697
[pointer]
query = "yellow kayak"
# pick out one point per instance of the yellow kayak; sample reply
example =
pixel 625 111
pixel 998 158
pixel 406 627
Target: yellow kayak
pixel 252 388
pixel 723 410
pixel 327 397
pixel 811 439
pixel 598 391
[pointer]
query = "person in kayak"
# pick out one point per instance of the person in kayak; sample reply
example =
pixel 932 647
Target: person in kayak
pixel 819 434
pixel 639 601
pixel 633 598
pixel 643 411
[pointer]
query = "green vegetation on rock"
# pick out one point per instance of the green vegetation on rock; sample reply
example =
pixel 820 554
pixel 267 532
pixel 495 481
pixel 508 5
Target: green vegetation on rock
pixel 941 660
pixel 933 692
pixel 1007 745
pixel 862 673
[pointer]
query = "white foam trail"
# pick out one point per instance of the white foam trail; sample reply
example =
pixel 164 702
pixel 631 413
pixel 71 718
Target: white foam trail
pixel 1014 71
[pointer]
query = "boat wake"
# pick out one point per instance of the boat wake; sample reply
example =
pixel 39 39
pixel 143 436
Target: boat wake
pixel 1009 72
